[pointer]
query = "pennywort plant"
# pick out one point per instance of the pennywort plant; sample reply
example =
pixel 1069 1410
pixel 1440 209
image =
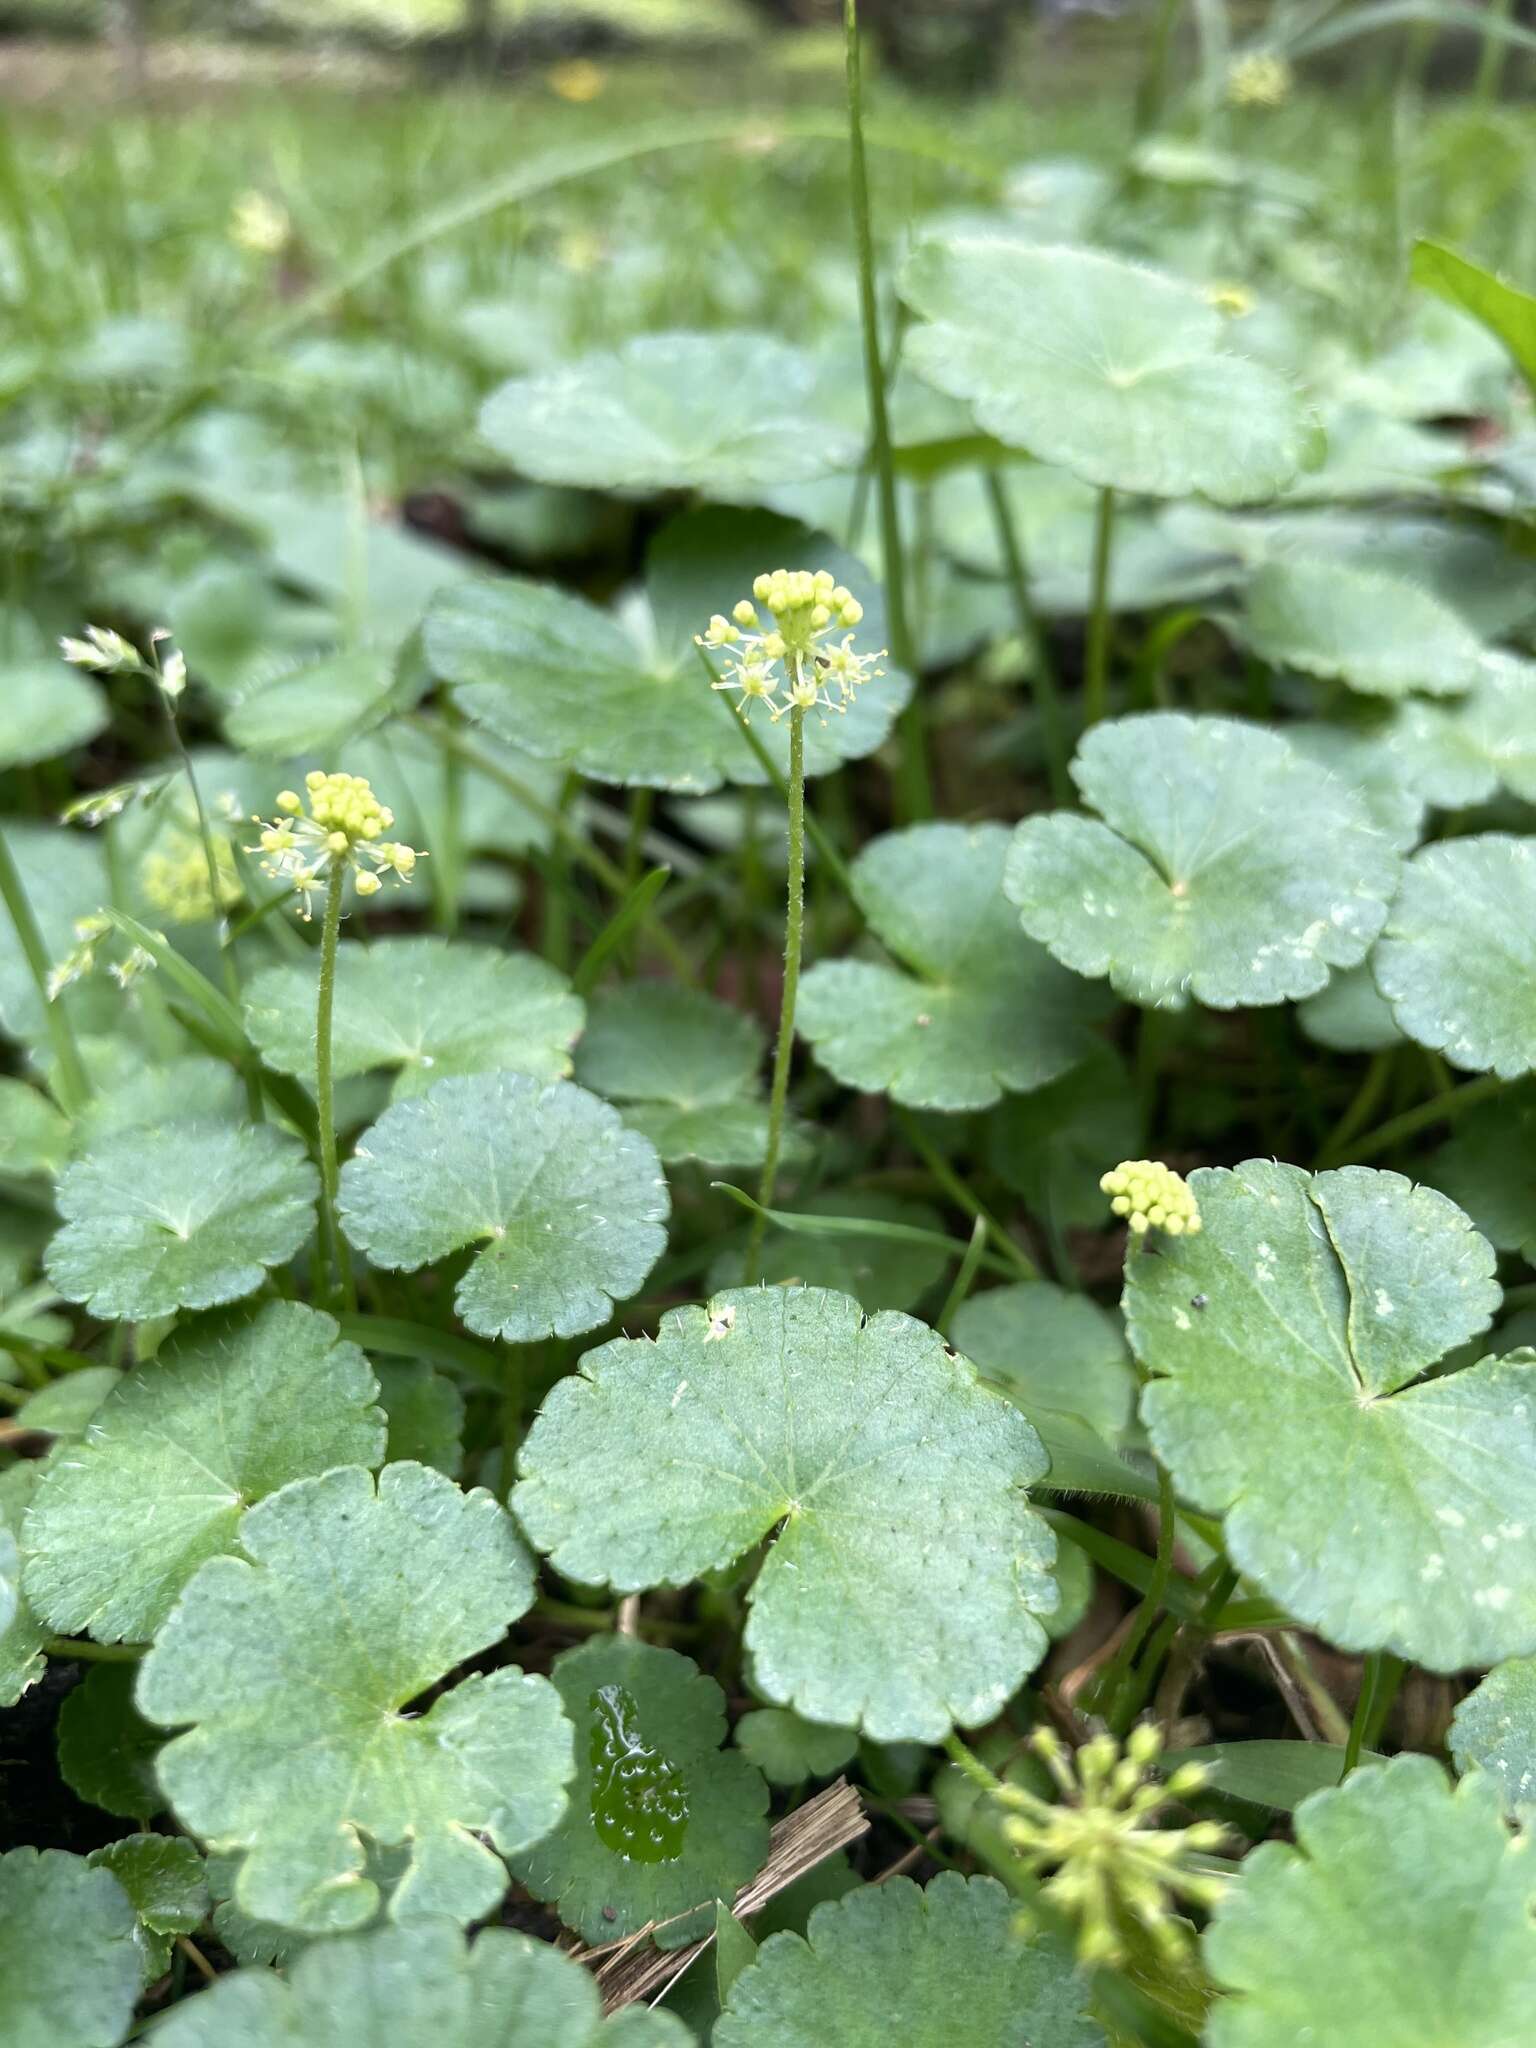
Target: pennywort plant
pixel 875 1364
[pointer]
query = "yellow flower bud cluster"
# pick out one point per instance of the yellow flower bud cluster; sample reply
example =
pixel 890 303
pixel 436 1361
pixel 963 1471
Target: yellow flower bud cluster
pixel 792 664
pixel 1262 78
pixel 1109 1869
pixel 336 825
pixel 1151 1196
pixel 174 874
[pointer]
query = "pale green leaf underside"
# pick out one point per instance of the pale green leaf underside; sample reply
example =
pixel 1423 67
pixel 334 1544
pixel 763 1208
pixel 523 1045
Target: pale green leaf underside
pixel 1494 1729
pixel 982 1009
pixel 1403 1915
pixel 1112 371
pixel 185 1216
pixel 46 709
pixel 1225 867
pixel 217 1419
pixel 402 1986
pixel 1378 633
pixel 949 1960
pixel 902 1590
pixel 293 1668
pixel 712 412
pixel 673 1708
pixel 569 1204
pixel 422 1008
pixel 1457 960
pixel 69 1964
pixel 1386 1510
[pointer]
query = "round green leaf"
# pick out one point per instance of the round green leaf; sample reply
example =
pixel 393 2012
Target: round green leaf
pixel 1402 1915
pixel 1378 633
pixel 1458 956
pixel 1049 1348
pixel 408 1987
pixel 22 1635
pixel 220 1417
pixel 65 1406
pixel 554 675
pixel 721 413
pixel 1225 868
pixel 134 1089
pixel 186 1216
pixel 1290 1340
pixel 686 1069
pixel 1116 373
pixel 788 1750
pixel 569 1204
pixel 422 1008
pixel 1484 1166
pixel 1463 753
pixel 296 1667
pixel 949 1961
pixel 69 1965
pixel 107 1749
pixel 1494 1729
pixel 982 1010
pixel 320 706
pixel 902 1589
pixel 163 1877
pixel 46 709
pixel 1369 763
pixel 660 1819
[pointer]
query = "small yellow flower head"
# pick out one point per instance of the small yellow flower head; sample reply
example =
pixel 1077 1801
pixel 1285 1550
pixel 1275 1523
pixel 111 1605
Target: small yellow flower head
pixel 174 874
pixel 1109 1867
pixel 794 664
pixel 580 80
pixel 1151 1196
pixel 337 824
pixel 1234 300
pixel 1262 78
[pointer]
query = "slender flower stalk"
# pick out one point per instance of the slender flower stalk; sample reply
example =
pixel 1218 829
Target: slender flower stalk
pixel 71 1084
pixel 335 829
pixel 1096 670
pixel 794 665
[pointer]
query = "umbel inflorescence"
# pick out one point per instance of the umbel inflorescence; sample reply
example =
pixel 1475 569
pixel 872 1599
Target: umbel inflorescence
pixel 1109 1868
pixel 796 663
pixel 1151 1196
pixel 337 824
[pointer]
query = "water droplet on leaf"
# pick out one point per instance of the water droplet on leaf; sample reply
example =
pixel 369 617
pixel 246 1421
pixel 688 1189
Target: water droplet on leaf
pixel 639 1799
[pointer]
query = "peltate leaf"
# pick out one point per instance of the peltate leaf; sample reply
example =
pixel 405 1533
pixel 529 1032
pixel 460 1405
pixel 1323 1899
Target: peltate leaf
pixel 1289 1343
pixel 1459 949
pixel 295 1663
pixel 661 1819
pixel 902 1590
pixel 184 1216
pixel 568 1203
pixel 223 1415
pixel 69 1964
pixel 974 1009
pixel 421 1008
pixel 1403 1914
pixel 949 1961
pixel 1049 1348
pixel 1225 868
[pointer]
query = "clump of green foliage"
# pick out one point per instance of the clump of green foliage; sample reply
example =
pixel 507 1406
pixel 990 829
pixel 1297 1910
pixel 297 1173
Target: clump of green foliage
pixel 765 1228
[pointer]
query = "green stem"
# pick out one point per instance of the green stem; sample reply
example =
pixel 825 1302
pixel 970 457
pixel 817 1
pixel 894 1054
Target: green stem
pixel 1292 1656
pixel 967 1760
pixel 953 1186
pixel 228 966
pixel 94 1653
pixel 1042 678
pixel 1380 1678
pixel 794 937
pixel 1362 1106
pixel 1490 63
pixel 914 788
pixel 1443 1109
pixel 1096 670
pixel 325 1094
pixel 71 1085
pixel 1157 1594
